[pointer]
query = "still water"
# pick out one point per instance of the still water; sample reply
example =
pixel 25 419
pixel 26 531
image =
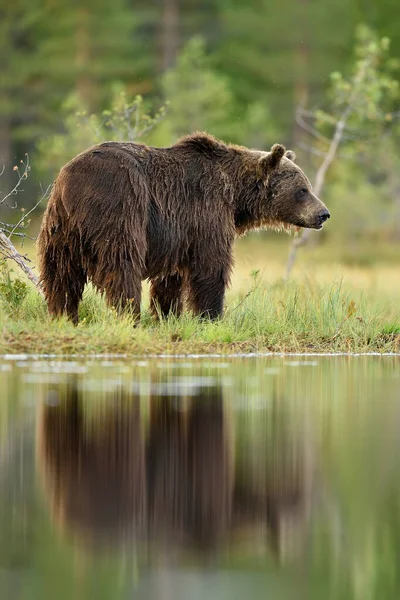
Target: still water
pixel 201 478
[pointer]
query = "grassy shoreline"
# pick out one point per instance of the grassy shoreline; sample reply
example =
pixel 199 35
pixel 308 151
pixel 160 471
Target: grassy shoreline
pixel 327 306
pixel 292 318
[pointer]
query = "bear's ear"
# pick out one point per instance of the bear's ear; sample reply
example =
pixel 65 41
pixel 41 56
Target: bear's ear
pixel 290 155
pixel 268 163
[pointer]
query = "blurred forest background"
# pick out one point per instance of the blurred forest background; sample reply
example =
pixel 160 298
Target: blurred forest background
pixel 75 73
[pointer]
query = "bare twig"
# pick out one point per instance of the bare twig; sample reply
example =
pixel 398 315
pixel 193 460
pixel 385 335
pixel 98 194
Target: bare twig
pixel 128 117
pixel 8 250
pixel 311 149
pixel 317 152
pixel 8 230
pixel 309 128
pixel 149 127
pixel 326 163
pixel 310 114
pixel 22 219
pixel 136 122
pixel 21 177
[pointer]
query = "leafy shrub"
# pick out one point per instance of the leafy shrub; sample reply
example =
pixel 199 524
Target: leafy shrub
pixel 13 291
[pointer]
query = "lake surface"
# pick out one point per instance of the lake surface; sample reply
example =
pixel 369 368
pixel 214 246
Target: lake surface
pixel 200 478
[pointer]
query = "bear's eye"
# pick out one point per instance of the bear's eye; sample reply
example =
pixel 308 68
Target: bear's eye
pixel 301 193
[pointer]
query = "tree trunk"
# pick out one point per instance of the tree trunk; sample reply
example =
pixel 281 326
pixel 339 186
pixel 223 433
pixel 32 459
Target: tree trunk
pixel 301 71
pixel 169 37
pixel 82 59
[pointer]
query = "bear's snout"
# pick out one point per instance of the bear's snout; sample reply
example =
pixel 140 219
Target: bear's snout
pixel 322 217
pixel 317 213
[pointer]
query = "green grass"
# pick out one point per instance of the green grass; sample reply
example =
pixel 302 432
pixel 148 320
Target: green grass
pixel 328 306
pixel 296 317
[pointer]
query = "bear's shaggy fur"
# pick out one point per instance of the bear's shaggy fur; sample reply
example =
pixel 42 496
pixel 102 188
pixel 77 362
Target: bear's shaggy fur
pixel 121 212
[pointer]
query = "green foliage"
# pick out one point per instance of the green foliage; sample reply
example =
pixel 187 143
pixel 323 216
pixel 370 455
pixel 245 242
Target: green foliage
pixel 296 317
pixel 361 208
pixel 241 70
pixel 127 119
pixel 199 97
pixel 13 291
pixel 361 110
pixel 391 329
pixel 196 98
pixel 50 49
pixel 264 52
pixel 369 95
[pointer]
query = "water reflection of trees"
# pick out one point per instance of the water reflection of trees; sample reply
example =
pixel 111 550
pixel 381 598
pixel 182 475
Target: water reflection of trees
pixel 170 476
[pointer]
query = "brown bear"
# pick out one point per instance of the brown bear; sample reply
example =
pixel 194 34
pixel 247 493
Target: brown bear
pixel 120 213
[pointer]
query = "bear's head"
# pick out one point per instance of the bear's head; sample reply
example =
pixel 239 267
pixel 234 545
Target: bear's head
pixel 289 196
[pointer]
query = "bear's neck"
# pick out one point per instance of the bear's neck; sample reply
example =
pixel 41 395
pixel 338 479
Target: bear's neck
pixel 250 205
pixel 245 221
pixel 249 200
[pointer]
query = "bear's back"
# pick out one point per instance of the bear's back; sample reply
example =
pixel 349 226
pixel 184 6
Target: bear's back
pixel 108 155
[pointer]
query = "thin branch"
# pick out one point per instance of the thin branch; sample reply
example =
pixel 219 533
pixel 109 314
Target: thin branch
pixel 153 123
pixel 128 115
pixel 326 163
pixel 136 134
pixel 8 249
pixel 310 129
pixel 310 114
pixel 15 190
pixel 20 234
pixel 17 225
pixel 312 149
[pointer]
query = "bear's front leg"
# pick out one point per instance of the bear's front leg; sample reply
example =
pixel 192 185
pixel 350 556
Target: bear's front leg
pixel 207 292
pixel 166 295
pixel 124 292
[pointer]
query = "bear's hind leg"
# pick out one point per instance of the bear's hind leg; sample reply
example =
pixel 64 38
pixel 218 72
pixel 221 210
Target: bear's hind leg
pixel 62 275
pixel 166 295
pixel 207 292
pixel 75 293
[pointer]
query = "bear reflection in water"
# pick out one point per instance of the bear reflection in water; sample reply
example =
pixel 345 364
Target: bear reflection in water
pixel 114 475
